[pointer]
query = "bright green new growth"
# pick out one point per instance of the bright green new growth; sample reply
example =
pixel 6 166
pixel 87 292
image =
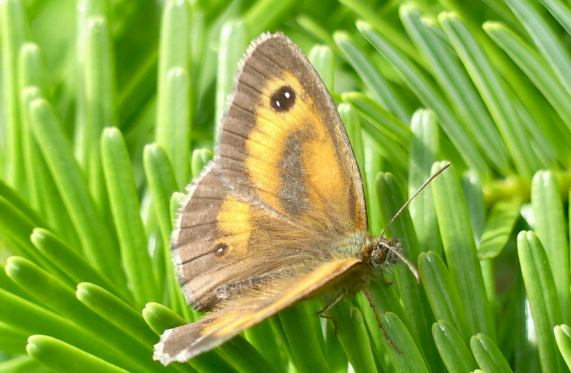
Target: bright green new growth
pixel 109 108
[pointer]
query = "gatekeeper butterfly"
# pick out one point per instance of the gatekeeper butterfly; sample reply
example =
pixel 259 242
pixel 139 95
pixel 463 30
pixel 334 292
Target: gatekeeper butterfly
pixel 279 214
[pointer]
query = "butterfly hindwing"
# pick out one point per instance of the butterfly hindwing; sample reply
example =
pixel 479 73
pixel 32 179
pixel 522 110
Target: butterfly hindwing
pixel 225 245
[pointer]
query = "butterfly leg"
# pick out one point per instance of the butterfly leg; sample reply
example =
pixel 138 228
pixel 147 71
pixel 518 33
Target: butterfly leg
pixel 377 316
pixel 324 312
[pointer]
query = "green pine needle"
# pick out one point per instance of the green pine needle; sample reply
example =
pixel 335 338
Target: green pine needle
pixel 110 108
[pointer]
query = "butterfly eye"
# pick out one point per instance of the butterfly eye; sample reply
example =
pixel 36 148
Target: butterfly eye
pixel 220 249
pixel 283 99
pixel 378 256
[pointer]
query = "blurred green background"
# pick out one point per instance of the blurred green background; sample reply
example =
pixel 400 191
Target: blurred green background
pixel 109 108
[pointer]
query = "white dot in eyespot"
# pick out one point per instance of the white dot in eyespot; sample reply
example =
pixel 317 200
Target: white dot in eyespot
pixel 282 99
pixel 220 249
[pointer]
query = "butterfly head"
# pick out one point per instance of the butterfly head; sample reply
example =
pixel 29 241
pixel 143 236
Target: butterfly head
pixel 379 252
pixel 382 251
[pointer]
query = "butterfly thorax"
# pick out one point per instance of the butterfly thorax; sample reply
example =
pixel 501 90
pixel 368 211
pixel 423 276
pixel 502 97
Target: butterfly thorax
pixel 351 245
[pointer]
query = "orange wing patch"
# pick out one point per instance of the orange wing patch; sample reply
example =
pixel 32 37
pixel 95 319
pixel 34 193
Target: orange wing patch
pixel 234 222
pixel 270 133
pixel 323 169
pixel 297 145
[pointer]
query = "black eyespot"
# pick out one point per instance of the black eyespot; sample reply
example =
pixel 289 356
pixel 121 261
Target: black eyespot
pixel 283 99
pixel 220 249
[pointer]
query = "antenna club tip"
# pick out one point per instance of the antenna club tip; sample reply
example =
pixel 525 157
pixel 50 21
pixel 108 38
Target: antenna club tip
pixel 439 167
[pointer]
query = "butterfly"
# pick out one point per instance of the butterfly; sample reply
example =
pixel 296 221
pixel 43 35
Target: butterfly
pixel 279 214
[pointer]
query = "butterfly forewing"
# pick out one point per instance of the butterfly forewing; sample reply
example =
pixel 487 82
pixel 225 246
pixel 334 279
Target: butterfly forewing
pixel 283 144
pixel 260 226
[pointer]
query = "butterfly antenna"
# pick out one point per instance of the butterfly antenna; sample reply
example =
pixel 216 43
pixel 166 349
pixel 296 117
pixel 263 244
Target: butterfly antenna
pixel 424 185
pixel 369 297
pixel 396 251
